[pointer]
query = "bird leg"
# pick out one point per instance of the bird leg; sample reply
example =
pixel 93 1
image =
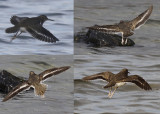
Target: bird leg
pixel 126 40
pixel 109 92
pixel 14 37
pixel 122 42
pixel 113 92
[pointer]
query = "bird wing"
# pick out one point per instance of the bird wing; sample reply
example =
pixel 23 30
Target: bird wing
pixel 39 32
pixel 16 90
pixel 15 19
pixel 142 18
pixel 54 71
pixel 109 29
pixel 13 29
pixel 139 81
pixel 102 75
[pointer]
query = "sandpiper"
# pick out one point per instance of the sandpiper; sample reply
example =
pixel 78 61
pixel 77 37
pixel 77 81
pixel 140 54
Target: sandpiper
pixel 35 81
pixel 33 25
pixel 125 28
pixel 119 79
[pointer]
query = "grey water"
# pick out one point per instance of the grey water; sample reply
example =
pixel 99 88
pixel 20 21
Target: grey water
pixel 91 98
pixel 106 12
pixel 59 94
pixel 59 10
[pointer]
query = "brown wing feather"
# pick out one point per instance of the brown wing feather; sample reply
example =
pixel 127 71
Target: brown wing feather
pixel 41 33
pixel 142 18
pixel 16 90
pixel 54 71
pixel 139 81
pixel 102 75
pixel 105 28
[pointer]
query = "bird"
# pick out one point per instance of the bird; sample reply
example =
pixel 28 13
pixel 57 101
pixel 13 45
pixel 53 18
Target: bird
pixel 119 79
pixel 125 28
pixel 33 25
pixel 35 81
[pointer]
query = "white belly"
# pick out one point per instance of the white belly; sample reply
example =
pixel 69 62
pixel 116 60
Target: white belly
pixel 120 84
pixel 23 29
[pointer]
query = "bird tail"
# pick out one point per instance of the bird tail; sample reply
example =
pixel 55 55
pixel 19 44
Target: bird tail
pixel 12 29
pixel 40 89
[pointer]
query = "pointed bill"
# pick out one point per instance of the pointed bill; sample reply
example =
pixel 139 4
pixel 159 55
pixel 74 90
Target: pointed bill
pixel 142 18
pixel 16 90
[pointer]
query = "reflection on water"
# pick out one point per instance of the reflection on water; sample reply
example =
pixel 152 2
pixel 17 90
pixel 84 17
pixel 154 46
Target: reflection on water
pixel 103 12
pixel 59 94
pixel 90 97
pixel 61 11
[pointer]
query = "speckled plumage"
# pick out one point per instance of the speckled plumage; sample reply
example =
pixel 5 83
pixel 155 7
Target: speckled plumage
pixel 119 79
pixel 35 81
pixel 33 25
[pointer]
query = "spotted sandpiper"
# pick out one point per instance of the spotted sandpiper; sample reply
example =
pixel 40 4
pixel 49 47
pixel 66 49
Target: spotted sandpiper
pixel 35 81
pixel 119 79
pixel 125 28
pixel 33 25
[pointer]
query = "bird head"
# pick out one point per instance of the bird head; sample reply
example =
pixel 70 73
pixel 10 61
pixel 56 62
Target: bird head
pixel 125 71
pixel 45 18
pixel 31 73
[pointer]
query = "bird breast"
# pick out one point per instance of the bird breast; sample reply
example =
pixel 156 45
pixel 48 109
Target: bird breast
pixel 120 84
pixel 23 29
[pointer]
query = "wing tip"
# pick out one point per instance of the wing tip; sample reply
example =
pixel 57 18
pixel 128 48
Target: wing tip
pixel 65 67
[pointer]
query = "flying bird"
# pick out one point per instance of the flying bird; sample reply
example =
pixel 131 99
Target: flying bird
pixel 119 79
pixel 35 81
pixel 33 25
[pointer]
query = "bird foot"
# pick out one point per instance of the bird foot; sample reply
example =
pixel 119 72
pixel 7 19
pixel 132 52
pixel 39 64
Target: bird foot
pixel 14 37
pixel 110 95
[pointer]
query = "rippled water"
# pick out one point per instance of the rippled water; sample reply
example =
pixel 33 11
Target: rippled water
pixel 103 12
pixel 59 10
pixel 91 98
pixel 59 95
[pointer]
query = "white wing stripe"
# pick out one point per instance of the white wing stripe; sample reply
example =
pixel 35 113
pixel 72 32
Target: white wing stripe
pixel 23 86
pixel 40 33
pixel 51 72
pixel 143 17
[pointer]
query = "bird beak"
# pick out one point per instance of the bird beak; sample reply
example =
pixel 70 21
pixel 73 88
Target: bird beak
pixel 50 19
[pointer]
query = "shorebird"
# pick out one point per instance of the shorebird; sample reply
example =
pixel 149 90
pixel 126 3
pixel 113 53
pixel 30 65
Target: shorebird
pixel 35 81
pixel 118 80
pixel 125 28
pixel 33 25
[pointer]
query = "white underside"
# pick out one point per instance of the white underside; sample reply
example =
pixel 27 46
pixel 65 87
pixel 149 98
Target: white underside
pixel 23 29
pixel 120 84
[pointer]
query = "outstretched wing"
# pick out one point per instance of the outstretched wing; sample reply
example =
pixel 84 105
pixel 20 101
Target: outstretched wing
pixel 103 75
pixel 15 19
pixel 16 90
pixel 109 29
pixel 13 29
pixel 39 32
pixel 142 18
pixel 139 81
pixel 54 71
